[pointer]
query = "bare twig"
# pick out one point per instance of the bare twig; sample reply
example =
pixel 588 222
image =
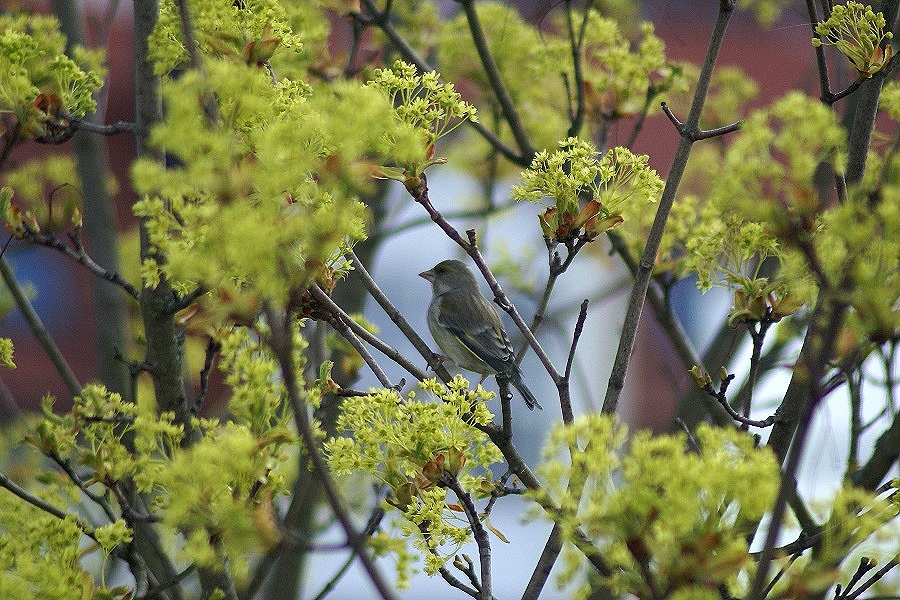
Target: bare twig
pixel 721 396
pixel 212 350
pixel 888 566
pixel 568 415
pixel 576 45
pixel 111 129
pixel 79 255
pixel 281 342
pixel 694 133
pixel 510 114
pixel 883 458
pixel 798 407
pixel 688 133
pixel 479 533
pixel 350 329
pixel 758 336
pixel 371 526
pixel 48 508
pixel 37 327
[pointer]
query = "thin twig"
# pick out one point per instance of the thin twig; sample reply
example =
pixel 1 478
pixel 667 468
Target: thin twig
pixel 510 114
pixel 80 255
pixel 371 527
pixel 721 396
pixel 48 508
pixel 37 327
pixel 803 394
pixel 758 336
pixel 479 533
pixel 212 350
pixel 111 129
pixel 645 266
pixel 691 440
pixel 568 416
pixel 576 45
pixel 873 579
pixel 352 331
pixel 281 342
pixel 694 133
pixel 100 501
pixel 161 589
pixel 348 331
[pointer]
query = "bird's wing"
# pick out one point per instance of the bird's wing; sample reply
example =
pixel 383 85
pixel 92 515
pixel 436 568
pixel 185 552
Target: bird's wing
pixel 488 341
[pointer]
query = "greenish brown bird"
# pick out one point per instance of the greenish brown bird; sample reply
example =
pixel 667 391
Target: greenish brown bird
pixel 467 327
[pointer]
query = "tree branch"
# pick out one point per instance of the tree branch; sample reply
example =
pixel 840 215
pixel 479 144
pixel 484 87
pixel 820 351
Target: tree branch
pixel 281 342
pixel 479 533
pixel 48 508
pixel 37 327
pixel 645 266
pixel 350 329
pixel 383 21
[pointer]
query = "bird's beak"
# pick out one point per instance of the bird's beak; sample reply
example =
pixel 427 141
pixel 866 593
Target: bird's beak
pixel 429 275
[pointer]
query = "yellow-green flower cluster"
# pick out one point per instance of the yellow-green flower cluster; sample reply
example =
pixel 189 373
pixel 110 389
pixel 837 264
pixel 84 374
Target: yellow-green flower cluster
pixel 39 557
pixel 890 99
pixel 53 176
pixel 757 198
pixel 33 62
pixel 858 33
pixel 408 444
pixel 257 394
pixel 265 198
pixel 622 77
pixel 422 101
pixel 94 432
pixel 6 352
pixel 219 487
pixel 235 31
pixel 577 173
pixel 652 505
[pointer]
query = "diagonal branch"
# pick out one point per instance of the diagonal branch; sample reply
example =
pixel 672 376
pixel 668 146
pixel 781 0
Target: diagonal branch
pixel 350 329
pixel 80 255
pixel 37 327
pixel 382 20
pixel 281 342
pixel 22 493
pixel 645 265
pixel 493 74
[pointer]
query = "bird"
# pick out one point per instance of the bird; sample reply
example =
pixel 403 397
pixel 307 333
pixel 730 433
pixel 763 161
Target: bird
pixel 467 327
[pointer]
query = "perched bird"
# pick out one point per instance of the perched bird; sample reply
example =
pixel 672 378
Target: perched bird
pixel 468 329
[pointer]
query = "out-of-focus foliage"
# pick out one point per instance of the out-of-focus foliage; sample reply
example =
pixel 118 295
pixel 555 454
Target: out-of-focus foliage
pixel 41 86
pixel 660 512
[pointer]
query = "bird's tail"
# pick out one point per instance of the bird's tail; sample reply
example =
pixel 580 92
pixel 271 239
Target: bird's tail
pixel 531 402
